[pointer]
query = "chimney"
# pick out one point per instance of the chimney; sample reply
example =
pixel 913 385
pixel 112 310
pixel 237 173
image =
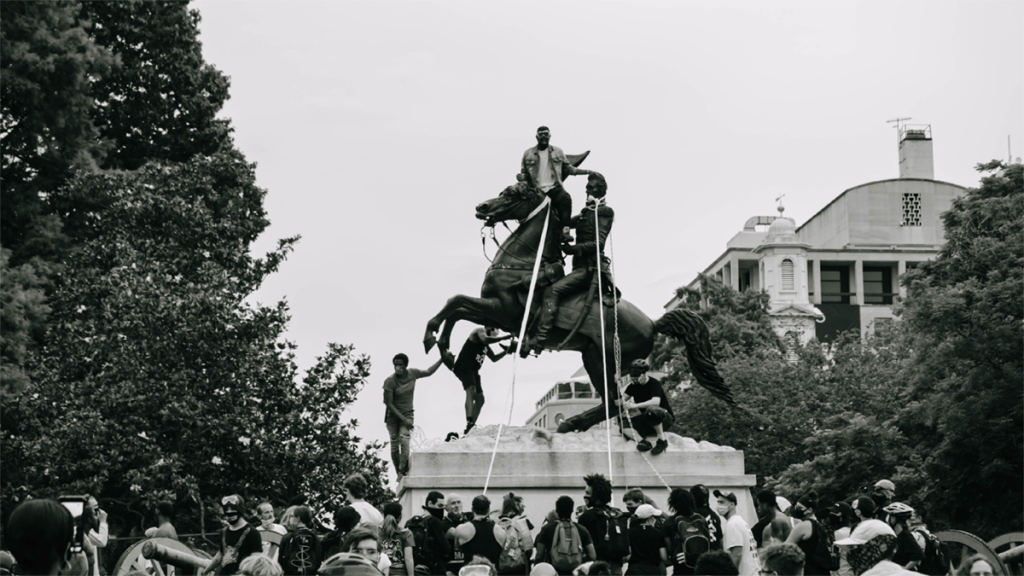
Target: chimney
pixel 916 151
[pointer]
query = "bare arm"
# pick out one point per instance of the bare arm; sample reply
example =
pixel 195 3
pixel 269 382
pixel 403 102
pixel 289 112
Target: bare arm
pixel 430 371
pixel 801 532
pixel 499 534
pixel 574 171
pixel 541 549
pixel 736 553
pixel 591 553
pixel 664 554
pixel 409 566
pixel 495 357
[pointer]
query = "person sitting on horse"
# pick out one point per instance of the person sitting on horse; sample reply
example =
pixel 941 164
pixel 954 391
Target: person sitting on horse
pixel 591 237
pixel 544 166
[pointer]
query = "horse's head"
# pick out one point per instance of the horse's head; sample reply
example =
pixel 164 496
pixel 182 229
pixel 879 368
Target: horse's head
pixel 514 203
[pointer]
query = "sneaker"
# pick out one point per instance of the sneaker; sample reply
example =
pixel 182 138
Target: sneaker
pixel 660 446
pixel 643 445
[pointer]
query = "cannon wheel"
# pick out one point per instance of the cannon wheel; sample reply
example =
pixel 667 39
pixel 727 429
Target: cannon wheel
pixel 132 558
pixel 970 545
pixel 1008 541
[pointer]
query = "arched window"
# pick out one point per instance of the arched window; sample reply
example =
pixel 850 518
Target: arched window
pixel 788 282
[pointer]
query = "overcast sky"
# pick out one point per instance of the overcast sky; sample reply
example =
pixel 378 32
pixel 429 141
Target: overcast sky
pixel 378 126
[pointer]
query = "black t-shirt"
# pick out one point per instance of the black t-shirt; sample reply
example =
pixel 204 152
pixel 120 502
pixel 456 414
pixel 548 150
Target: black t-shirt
pixel 907 549
pixel 252 544
pixel 715 533
pixel 645 544
pixel 596 523
pixel 471 357
pixel 547 537
pixel 644 392
pixel 455 559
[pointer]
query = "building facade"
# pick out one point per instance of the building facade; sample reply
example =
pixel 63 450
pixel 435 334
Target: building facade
pixel 840 270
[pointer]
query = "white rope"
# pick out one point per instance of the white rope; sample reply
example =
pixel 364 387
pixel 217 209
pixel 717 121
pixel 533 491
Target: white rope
pixel 618 363
pixel 604 363
pixel 510 398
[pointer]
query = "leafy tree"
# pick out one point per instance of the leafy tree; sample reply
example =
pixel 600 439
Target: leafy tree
pixel 158 381
pixel 161 102
pixel 964 314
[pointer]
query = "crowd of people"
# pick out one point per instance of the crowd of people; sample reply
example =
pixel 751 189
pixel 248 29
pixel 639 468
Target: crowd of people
pixel 701 531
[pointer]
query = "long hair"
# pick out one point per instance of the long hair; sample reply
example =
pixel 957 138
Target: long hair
pixel 392 514
pixel 512 505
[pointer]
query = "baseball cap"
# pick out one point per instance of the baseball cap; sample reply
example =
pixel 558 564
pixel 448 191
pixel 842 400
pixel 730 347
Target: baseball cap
pixel 885 485
pixel 841 508
pixel 865 531
pixel 543 569
pixel 727 495
pixel 865 505
pixel 645 511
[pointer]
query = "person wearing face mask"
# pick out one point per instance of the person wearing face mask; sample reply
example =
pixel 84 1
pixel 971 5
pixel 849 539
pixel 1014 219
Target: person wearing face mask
pixel 870 549
pixel 452 519
pixel 433 557
pixel 908 553
pixel 863 509
pixel 882 493
pixel 813 539
pixel 841 520
pixel 300 551
pixel 738 540
pixel 238 539
pixel 265 511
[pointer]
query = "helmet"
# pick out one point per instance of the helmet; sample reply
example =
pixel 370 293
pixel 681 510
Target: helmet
pixel 640 364
pixel 899 510
pixel 346 564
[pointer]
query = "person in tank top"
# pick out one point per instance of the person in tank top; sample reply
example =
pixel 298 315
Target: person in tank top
pixel 481 536
pixel 467 368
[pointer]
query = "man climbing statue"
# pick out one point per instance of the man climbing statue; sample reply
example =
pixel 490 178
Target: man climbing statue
pixel 544 166
pixel 467 368
pixel 591 237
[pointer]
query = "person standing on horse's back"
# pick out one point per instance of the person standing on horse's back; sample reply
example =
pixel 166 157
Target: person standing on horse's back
pixel 481 536
pixel 542 166
pixel 590 240
pixel 399 389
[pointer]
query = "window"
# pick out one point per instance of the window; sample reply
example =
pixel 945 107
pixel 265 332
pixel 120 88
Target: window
pixel 878 285
pixel 882 326
pixel 583 390
pixel 911 209
pixel 559 418
pixel 788 282
pixel 835 284
pixel 564 390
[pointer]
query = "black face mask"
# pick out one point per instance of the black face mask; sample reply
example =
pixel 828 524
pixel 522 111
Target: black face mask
pixel 798 513
pixel 435 512
pixel 836 521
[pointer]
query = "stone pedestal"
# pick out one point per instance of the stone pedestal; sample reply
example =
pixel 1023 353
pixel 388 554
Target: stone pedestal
pixel 541 466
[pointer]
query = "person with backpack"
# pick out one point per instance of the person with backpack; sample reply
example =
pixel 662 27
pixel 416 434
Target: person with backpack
pixel 647 551
pixel 518 546
pixel 398 543
pixel 563 543
pixel 841 520
pixel 813 539
pixel 432 548
pixel 700 506
pixel 908 553
pixel 686 533
pixel 481 536
pixel 934 562
pixel 606 524
pixel 300 552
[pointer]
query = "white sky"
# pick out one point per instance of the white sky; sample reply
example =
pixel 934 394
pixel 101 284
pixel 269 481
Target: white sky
pixel 378 126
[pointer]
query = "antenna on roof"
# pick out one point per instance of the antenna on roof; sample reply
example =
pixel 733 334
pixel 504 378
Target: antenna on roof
pixel 899 125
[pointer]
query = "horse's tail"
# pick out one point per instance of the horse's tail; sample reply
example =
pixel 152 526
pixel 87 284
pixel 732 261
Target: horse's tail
pixel 687 326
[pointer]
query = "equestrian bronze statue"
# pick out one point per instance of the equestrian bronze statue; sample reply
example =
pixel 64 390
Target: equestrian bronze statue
pixel 577 322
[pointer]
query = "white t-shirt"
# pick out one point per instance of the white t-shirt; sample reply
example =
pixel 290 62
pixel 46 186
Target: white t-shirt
pixel 368 514
pixel 546 182
pixel 737 533
pixel 266 544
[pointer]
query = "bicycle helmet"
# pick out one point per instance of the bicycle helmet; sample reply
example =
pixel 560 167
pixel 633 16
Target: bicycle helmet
pixel 346 564
pixel 899 510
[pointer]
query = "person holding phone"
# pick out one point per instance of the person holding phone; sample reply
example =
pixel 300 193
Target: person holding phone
pixel 40 534
pixel 98 533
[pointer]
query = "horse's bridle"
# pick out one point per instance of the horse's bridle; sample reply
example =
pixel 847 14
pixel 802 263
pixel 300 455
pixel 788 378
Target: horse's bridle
pixel 483 240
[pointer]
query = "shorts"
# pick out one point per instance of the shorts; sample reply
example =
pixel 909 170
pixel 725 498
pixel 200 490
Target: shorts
pixel 645 422
pixel 469 378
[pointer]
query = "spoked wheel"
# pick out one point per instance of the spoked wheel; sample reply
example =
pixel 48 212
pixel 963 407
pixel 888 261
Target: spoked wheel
pixel 132 559
pixel 1008 546
pixel 969 545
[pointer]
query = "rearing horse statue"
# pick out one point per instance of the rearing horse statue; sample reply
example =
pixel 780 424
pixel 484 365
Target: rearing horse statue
pixel 502 304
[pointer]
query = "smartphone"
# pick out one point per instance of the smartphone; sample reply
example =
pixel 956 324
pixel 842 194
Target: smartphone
pixel 75 505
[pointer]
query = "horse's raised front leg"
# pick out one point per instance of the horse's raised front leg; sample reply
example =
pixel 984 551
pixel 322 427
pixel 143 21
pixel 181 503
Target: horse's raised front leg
pixel 479 310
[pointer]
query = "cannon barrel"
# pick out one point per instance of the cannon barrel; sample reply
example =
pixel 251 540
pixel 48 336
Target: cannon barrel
pixel 177 558
pixel 1012 555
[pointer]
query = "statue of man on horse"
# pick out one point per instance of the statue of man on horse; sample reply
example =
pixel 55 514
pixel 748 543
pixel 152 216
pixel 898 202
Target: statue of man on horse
pixel 571 318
